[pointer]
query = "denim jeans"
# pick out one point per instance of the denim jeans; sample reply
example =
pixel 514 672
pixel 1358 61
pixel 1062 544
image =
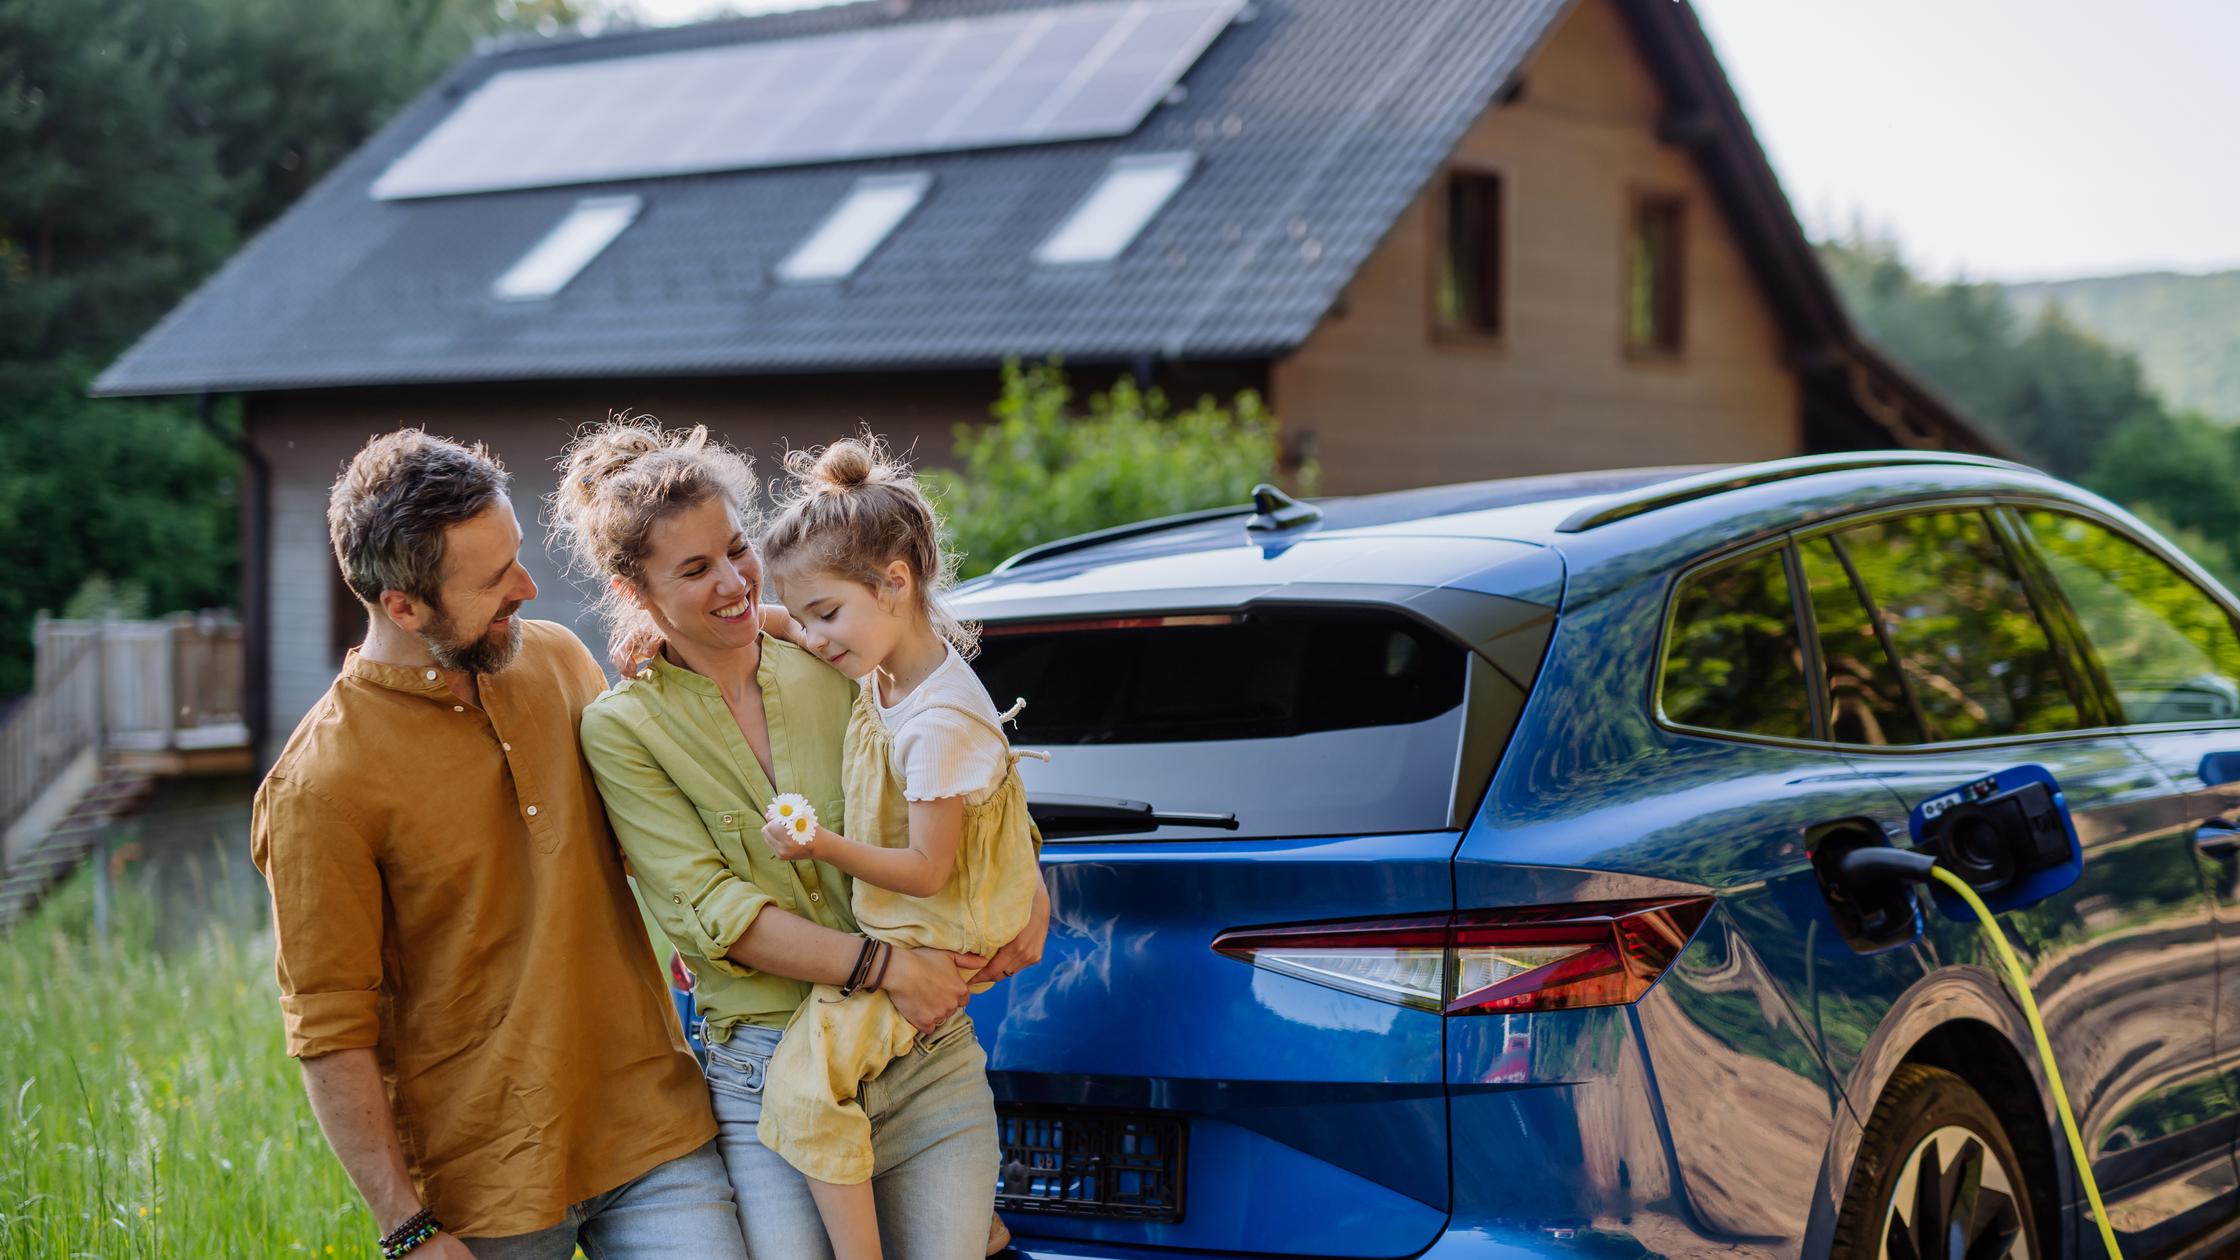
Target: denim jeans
pixel 933 1138
pixel 681 1208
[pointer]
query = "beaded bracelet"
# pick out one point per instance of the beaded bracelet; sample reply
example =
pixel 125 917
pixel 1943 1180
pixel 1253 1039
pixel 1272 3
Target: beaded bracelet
pixel 419 1228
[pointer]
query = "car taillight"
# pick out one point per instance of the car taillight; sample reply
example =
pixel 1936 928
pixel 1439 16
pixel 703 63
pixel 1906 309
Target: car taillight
pixel 1535 958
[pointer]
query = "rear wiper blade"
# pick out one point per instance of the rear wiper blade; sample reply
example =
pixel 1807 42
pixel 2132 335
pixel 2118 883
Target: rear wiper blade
pixel 1111 815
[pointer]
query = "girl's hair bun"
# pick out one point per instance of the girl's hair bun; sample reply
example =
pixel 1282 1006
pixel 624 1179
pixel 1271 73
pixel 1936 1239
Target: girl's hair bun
pixel 846 464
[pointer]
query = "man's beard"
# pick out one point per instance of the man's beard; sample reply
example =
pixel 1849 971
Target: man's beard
pixel 482 654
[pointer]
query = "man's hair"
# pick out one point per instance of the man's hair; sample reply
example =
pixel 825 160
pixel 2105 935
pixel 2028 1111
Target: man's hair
pixel 388 510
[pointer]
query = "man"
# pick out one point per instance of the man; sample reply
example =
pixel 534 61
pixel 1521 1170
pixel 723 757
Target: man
pixel 485 1035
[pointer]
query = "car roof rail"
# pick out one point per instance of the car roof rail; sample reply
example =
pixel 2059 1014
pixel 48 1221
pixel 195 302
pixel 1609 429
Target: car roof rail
pixel 1687 489
pixel 1098 537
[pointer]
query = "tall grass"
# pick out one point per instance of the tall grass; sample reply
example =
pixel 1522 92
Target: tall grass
pixel 147 1107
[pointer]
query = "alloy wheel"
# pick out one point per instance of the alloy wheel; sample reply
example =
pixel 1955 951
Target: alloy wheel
pixel 1954 1200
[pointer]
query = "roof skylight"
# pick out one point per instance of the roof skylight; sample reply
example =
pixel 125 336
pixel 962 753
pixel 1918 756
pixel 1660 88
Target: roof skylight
pixel 1116 211
pixel 587 229
pixel 874 208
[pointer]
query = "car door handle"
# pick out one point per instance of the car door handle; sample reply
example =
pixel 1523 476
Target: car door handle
pixel 2217 839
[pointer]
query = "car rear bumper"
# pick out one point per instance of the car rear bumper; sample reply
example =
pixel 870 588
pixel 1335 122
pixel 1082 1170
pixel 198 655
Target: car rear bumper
pixel 1460 1244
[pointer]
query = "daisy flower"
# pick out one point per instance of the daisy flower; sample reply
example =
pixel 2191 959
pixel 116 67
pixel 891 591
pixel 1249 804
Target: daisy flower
pixel 795 811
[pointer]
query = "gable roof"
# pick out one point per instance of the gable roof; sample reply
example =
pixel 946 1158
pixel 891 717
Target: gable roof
pixel 1316 122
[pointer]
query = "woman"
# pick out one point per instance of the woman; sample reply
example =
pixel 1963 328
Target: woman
pixel 713 717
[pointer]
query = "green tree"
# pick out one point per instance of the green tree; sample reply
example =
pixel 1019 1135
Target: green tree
pixel 2051 390
pixel 2178 471
pixel 140 142
pixel 1045 471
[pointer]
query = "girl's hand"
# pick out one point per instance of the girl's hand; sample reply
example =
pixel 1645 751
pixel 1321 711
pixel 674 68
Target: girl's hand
pixel 789 847
pixel 926 986
pixel 1025 949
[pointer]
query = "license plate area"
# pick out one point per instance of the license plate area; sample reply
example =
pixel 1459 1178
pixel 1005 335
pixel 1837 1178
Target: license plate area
pixel 1107 1165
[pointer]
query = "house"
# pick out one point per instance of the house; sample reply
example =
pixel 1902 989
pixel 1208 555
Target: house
pixel 1448 239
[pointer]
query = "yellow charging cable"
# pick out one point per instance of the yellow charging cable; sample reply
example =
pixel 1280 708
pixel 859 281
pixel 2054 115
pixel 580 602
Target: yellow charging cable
pixel 2021 982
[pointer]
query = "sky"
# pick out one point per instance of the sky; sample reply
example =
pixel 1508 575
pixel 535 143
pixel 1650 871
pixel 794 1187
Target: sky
pixel 1993 139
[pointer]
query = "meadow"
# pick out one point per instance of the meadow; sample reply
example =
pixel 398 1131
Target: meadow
pixel 147 1107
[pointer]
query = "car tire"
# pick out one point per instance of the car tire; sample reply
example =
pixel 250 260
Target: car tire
pixel 1932 1138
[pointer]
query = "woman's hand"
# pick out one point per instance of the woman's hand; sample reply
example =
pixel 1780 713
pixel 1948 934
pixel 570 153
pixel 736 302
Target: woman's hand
pixel 1025 949
pixel 779 624
pixel 926 986
pixel 792 848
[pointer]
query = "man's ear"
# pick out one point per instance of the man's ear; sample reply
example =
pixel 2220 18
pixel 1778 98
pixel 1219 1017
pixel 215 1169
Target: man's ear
pixel 408 613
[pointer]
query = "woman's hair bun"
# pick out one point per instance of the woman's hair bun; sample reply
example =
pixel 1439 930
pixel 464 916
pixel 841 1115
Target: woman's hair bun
pixel 607 452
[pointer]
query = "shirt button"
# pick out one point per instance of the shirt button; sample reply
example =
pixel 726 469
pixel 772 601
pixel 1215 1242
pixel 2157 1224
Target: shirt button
pixel 431 675
pixel 507 747
pixel 816 896
pixel 727 820
pixel 458 708
pixel 677 899
pixel 532 811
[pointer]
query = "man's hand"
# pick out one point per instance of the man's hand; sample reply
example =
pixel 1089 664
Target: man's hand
pixel 927 985
pixel 792 848
pixel 443 1247
pixel 1025 949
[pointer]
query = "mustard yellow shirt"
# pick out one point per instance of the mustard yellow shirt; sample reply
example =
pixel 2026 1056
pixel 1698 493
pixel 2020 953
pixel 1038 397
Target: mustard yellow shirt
pixel 686 796
pixel 444 891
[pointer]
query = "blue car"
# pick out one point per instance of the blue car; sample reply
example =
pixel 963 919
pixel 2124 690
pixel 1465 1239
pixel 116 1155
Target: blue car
pixel 1465 872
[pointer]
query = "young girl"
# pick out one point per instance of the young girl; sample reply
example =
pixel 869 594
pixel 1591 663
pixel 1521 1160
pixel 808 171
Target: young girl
pixel 944 853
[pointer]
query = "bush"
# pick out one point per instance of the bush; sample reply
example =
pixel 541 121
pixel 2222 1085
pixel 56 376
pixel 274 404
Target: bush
pixel 1043 471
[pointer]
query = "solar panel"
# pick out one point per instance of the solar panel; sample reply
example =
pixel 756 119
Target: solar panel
pixel 1072 72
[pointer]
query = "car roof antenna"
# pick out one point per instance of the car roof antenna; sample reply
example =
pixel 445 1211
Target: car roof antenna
pixel 1273 510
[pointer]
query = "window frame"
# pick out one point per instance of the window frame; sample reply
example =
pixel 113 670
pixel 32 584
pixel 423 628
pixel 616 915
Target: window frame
pixel 2181 565
pixel 794 270
pixel 1639 202
pixel 601 212
pixel 1182 164
pixel 1792 574
pixel 1441 253
pixel 2071 650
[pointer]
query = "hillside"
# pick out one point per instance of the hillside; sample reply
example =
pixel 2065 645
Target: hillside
pixel 2185 329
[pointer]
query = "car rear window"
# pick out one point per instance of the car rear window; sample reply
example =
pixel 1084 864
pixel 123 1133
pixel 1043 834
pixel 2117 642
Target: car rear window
pixel 1301 724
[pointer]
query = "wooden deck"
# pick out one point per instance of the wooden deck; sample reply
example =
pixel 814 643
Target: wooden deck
pixel 114 703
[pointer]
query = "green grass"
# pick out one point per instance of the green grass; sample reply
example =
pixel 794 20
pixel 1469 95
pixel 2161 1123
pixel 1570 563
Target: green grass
pixel 147 1107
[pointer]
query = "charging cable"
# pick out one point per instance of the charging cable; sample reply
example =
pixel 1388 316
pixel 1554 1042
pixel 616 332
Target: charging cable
pixel 1904 864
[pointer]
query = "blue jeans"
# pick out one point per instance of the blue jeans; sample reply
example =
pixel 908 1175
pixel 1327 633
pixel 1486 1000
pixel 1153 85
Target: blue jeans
pixel 681 1208
pixel 933 1138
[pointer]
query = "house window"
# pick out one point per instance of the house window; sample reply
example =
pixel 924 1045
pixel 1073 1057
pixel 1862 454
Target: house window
pixel 1469 280
pixel 589 227
pixel 873 208
pixel 1653 293
pixel 1131 194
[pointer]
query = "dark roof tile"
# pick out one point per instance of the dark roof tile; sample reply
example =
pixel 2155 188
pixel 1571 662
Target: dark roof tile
pixel 1316 122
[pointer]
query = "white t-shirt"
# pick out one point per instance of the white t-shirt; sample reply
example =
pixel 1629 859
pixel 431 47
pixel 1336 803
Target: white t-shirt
pixel 939 752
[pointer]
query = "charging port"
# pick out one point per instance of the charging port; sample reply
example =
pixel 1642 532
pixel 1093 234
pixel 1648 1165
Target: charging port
pixel 1872 911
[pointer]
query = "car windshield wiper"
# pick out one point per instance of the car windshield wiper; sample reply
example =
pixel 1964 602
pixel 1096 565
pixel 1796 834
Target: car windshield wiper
pixel 1059 816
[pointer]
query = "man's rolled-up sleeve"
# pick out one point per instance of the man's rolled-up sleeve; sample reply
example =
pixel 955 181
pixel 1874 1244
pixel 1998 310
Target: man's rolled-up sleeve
pixel 700 902
pixel 326 917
